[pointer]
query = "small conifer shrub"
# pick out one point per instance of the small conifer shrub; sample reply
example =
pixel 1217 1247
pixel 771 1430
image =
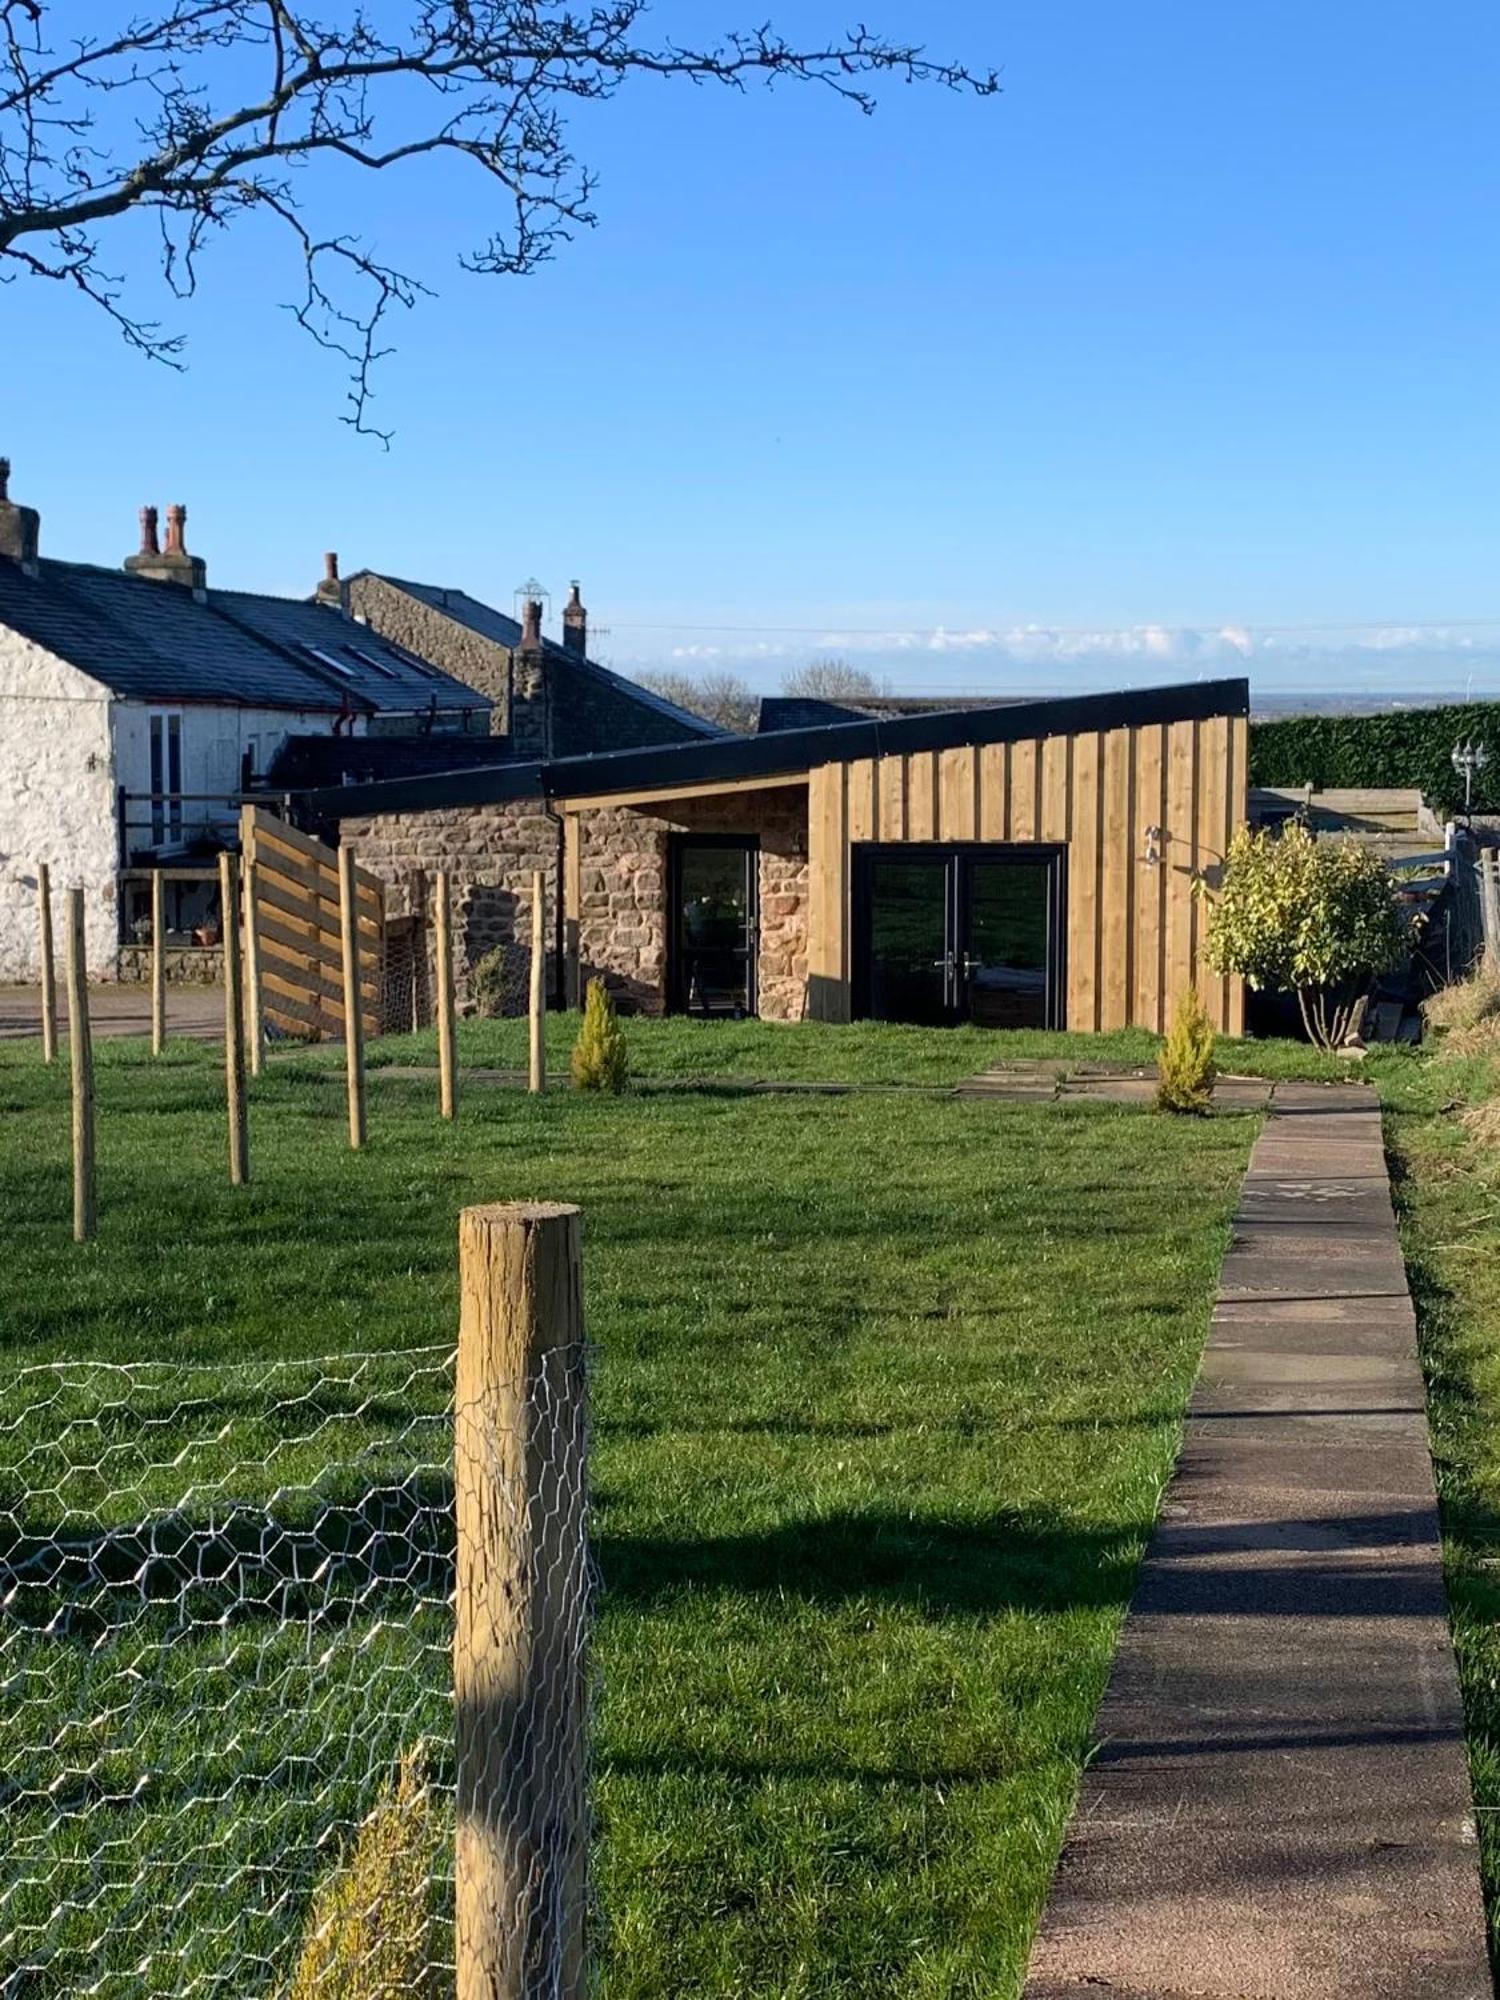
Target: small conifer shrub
pixel 1186 1068
pixel 600 1061
pixel 371 1929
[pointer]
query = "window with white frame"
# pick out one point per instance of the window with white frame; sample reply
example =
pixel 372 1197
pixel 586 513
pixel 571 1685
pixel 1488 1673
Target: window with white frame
pixel 166 776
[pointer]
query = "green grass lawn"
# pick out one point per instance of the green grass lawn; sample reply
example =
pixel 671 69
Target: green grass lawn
pixel 887 1389
pixel 859 1052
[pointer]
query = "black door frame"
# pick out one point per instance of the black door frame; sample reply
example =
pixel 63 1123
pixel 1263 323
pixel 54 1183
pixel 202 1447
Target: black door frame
pixel 957 855
pixel 749 845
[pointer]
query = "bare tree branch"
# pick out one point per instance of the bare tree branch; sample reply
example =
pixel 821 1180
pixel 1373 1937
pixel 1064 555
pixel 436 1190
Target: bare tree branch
pixel 203 112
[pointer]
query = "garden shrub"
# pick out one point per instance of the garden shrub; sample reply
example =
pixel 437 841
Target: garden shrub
pixel 599 1059
pixel 1186 1068
pixel 499 982
pixel 371 1929
pixel 1318 918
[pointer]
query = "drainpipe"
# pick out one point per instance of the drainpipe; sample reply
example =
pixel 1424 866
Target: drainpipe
pixel 559 915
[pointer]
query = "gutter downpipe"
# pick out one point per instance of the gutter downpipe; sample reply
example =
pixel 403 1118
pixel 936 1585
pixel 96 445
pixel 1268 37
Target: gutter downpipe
pixel 559 915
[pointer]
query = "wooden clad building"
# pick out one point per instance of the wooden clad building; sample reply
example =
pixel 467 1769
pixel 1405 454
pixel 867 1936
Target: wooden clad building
pixel 1035 864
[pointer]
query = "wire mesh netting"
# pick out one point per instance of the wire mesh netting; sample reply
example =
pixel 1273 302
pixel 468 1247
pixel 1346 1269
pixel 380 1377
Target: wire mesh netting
pixel 226 1689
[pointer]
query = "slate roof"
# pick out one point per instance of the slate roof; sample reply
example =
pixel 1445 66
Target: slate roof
pixel 151 641
pixel 502 630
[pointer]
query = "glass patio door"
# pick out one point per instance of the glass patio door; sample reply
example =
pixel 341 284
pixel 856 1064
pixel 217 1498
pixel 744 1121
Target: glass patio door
pixel 714 924
pixel 909 946
pixel 968 932
pixel 1006 942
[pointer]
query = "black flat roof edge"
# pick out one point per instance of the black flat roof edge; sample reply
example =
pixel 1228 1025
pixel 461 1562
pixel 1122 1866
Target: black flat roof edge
pixel 788 753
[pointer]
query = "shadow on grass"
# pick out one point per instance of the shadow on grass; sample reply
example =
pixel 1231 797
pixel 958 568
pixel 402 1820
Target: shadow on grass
pixel 343 1559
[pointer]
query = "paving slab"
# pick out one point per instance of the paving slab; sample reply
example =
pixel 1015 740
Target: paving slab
pixel 1279 1807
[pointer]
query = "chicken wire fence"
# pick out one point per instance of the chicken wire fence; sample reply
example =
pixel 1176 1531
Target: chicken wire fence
pixel 227 1677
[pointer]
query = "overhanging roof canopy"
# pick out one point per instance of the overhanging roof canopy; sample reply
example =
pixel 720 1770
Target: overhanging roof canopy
pixel 788 754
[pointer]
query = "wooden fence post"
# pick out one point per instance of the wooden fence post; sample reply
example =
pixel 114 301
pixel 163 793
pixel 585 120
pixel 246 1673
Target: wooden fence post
pixel 234 1021
pixel 354 1013
pixel 49 965
pixel 158 962
pixel 537 1080
pixel 443 946
pixel 81 1046
pixel 523 1606
pixel 1489 888
pixel 254 1016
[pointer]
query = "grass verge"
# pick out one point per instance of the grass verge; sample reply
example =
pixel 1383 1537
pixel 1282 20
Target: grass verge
pixel 1448 1199
pixel 872 1052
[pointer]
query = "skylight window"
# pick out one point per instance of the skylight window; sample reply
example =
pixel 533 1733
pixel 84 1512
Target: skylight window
pixel 378 666
pixel 345 673
pixel 408 659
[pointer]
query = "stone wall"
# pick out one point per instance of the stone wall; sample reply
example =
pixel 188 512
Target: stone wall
pixel 548 705
pixel 490 851
pixel 187 965
pixel 623 914
pixel 406 621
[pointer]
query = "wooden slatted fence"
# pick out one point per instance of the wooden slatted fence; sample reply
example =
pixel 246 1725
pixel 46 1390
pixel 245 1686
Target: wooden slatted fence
pixel 295 909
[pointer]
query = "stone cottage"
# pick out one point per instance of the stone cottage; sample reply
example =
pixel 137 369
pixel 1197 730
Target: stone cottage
pixel 137 703
pixel 1032 864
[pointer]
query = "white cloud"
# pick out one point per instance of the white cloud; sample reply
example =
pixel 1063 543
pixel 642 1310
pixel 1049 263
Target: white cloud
pixel 1398 662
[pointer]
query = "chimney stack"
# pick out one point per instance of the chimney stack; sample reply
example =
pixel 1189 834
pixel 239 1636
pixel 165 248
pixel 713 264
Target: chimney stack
pixel 171 564
pixel 527 721
pixel 575 624
pixel 332 590
pixel 20 527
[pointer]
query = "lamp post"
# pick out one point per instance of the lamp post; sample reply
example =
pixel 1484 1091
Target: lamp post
pixel 1469 759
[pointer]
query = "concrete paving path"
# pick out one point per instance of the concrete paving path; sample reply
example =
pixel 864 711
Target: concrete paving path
pixel 1281 1809
pixel 196 1012
pixel 1047 1079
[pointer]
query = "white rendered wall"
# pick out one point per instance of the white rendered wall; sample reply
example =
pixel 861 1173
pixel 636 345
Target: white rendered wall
pixel 57 804
pixel 214 740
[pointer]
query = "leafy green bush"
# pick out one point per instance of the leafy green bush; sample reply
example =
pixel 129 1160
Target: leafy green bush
pixel 1317 918
pixel 1185 1069
pixel 599 1060
pixel 1411 747
pixel 370 1932
pixel 498 982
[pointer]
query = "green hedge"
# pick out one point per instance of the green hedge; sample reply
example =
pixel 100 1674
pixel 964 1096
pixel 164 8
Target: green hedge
pixel 1410 747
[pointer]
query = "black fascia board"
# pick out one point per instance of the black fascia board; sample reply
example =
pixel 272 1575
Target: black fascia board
pixel 788 752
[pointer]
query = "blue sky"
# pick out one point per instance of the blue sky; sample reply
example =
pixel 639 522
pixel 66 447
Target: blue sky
pixel 1188 336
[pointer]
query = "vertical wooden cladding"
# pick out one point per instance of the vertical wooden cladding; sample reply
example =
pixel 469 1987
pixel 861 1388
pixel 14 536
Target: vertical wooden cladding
pixel 1179 860
pixel 828 996
pixel 1149 876
pixel 1237 811
pixel 1070 804
pixel 1135 924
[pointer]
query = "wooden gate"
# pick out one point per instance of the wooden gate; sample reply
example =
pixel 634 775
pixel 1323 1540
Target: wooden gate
pixel 294 905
